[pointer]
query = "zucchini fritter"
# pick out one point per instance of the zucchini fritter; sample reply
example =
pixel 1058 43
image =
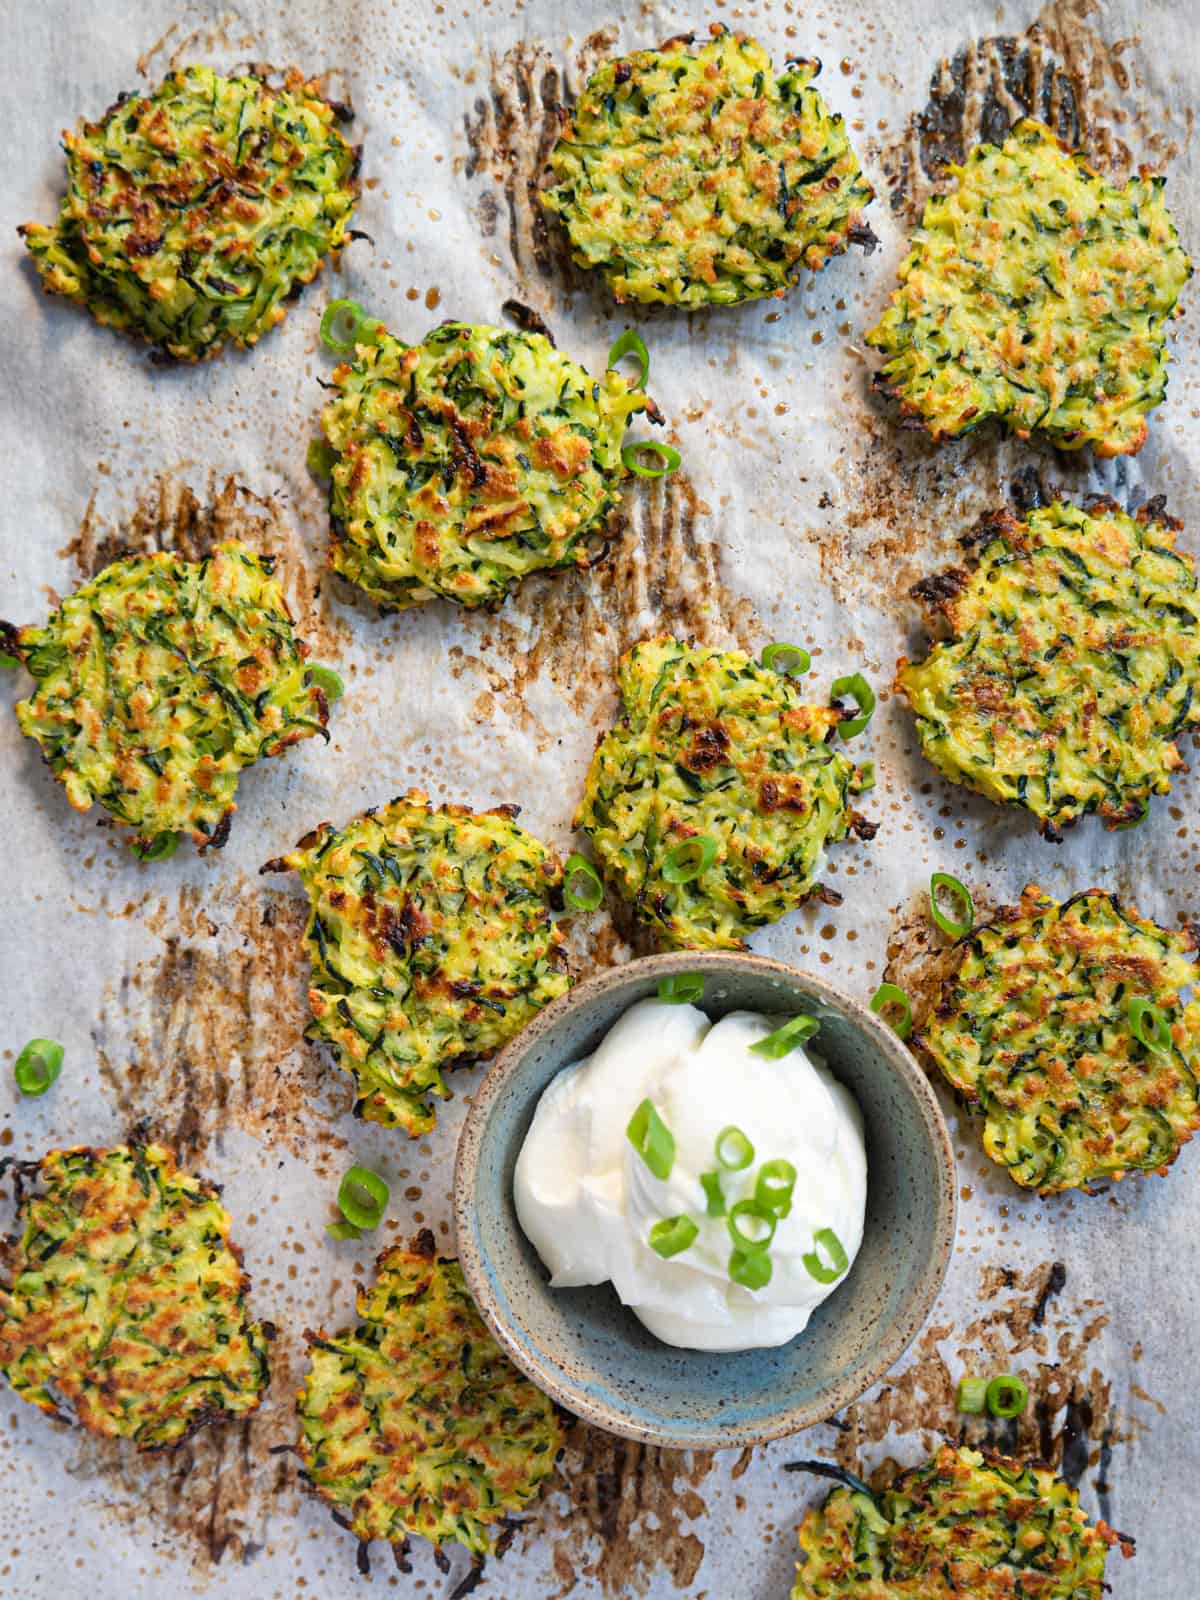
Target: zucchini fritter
pixel 160 680
pixel 128 1300
pixel 431 943
pixel 194 213
pixel 1072 662
pixel 711 744
pixel 466 461
pixel 692 176
pixel 415 1421
pixel 1037 292
pixel 969 1525
pixel 1032 1028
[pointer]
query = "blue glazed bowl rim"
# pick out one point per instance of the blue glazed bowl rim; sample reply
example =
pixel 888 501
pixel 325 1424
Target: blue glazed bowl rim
pixel 540 1365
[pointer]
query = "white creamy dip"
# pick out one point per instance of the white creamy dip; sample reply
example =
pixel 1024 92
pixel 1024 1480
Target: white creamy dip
pixel 588 1200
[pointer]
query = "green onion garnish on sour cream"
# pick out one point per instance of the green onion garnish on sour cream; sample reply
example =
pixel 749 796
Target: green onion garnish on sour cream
pixel 721 1189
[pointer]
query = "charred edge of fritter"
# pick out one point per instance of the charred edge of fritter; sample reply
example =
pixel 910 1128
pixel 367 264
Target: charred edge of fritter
pixel 528 320
pixel 861 234
pixel 913 420
pixel 219 836
pixel 475 1575
pixel 863 828
pixel 25 1173
pixel 936 590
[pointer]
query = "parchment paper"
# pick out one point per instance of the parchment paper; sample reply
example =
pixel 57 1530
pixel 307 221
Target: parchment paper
pixel 806 514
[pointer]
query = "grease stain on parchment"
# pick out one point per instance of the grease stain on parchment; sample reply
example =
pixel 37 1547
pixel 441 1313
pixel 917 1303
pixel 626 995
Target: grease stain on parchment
pixel 630 1516
pixel 212 1496
pixel 509 133
pixel 1024 1326
pixel 607 939
pixel 905 503
pixel 208 1033
pixel 1061 70
pixel 168 514
pixel 178 46
pixel 662 575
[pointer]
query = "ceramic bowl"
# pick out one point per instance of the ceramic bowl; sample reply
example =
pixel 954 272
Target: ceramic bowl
pixel 591 1354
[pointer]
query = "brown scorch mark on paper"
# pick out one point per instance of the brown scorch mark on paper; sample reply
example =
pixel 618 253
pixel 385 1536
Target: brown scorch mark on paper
pixel 1029 1329
pixel 208 1032
pixel 510 133
pixel 629 1514
pixel 213 1495
pixel 662 575
pixel 168 514
pixel 1062 71
pixel 905 502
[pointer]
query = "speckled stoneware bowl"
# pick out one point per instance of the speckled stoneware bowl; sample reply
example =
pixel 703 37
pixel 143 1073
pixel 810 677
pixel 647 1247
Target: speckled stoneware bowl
pixel 592 1355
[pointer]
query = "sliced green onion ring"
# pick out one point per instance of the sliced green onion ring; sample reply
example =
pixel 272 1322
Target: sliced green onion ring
pixel 327 679
pixel 363 1197
pixel 1140 1012
pixel 321 458
pixel 714 1195
pixel 665 453
pixel 160 848
pixel 891 997
pixel 673 1234
pixel 631 343
pixel 734 1150
pixel 8 663
pixel 825 1239
pixel 866 777
pixel 774 1185
pixel 790 1037
pixel 1007 1396
pixel 652 1139
pixel 971 1396
pixel 957 891
pixel 790 660
pixel 864 697
pixel 751 1268
pixel 340 325
pixel 689 858
pixel 681 988
pixel 343 1230
pixel 38 1065
pixel 747 1242
pixel 582 889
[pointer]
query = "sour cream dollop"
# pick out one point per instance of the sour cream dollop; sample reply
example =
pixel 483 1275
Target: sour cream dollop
pixel 587 1200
